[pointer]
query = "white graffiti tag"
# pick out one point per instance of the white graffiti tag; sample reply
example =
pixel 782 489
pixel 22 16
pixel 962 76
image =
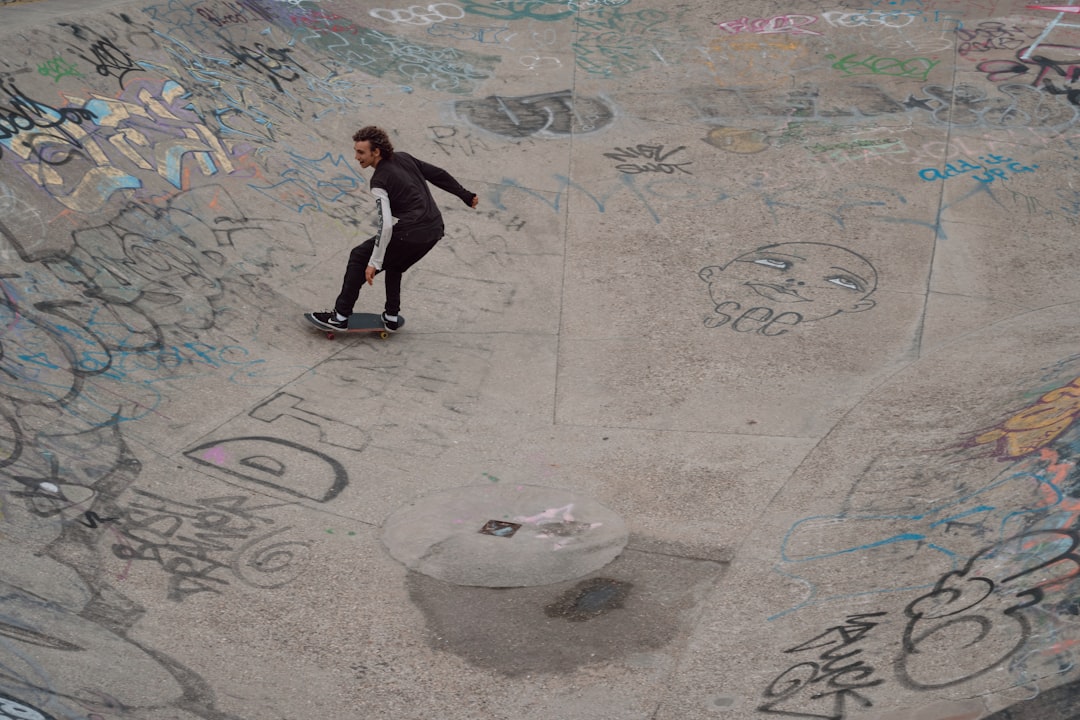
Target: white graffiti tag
pixel 788 24
pixel 856 19
pixel 419 15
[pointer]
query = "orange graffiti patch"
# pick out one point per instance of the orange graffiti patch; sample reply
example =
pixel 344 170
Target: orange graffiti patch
pixel 1037 425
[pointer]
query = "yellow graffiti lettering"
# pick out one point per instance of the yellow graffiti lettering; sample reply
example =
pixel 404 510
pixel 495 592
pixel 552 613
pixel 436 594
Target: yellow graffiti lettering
pixel 1037 425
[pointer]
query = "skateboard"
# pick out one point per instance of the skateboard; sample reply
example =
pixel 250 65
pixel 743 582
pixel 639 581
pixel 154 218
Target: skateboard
pixel 358 322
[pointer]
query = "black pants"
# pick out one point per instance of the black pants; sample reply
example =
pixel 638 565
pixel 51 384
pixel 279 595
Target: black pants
pixel 405 248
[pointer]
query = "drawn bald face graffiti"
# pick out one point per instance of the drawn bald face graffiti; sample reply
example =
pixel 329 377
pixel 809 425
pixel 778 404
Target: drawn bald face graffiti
pixel 778 286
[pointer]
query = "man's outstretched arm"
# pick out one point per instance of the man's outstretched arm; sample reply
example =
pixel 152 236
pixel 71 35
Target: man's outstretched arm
pixel 445 181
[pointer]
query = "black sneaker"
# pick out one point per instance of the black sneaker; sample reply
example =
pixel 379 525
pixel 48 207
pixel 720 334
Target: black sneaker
pixel 391 325
pixel 329 320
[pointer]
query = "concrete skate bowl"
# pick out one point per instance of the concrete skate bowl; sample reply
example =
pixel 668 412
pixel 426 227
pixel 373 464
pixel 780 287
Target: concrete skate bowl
pixel 863 509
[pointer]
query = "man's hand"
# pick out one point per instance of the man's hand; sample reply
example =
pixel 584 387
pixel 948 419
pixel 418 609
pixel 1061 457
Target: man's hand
pixel 369 274
pixel 475 201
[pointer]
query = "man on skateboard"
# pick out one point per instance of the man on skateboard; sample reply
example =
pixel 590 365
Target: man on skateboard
pixel 410 224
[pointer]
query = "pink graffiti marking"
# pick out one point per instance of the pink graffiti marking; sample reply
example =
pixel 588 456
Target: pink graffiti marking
pixel 216 455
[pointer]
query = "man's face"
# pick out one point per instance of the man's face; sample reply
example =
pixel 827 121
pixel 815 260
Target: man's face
pixel 365 155
pixel 816 280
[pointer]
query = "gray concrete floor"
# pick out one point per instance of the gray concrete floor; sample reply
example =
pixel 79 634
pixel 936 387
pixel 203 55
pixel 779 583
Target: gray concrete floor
pixel 749 389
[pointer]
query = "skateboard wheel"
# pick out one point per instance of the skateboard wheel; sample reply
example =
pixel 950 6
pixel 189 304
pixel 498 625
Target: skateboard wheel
pixel 329 336
pixel 384 334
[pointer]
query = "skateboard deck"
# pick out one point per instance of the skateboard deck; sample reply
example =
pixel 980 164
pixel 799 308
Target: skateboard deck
pixel 358 322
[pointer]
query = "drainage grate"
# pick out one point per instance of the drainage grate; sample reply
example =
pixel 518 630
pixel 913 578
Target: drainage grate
pixel 499 528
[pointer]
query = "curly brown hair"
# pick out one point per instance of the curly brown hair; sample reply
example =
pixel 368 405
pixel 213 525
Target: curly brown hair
pixel 377 138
